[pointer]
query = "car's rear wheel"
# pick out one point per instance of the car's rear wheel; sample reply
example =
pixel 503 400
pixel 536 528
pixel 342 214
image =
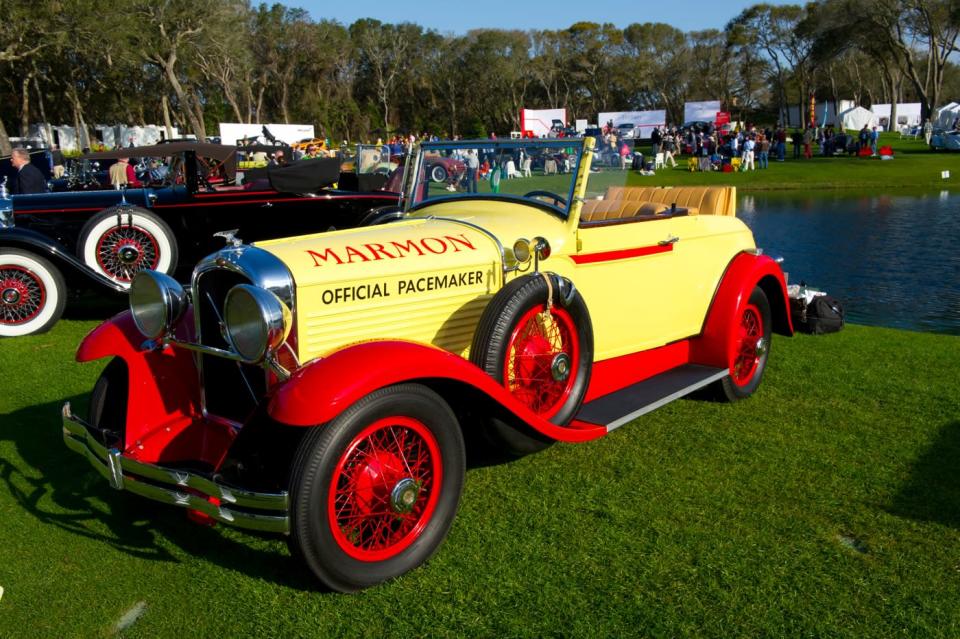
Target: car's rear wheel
pixel 374 492
pixel 121 241
pixel 33 293
pixel 749 348
pixel 438 173
pixel 542 353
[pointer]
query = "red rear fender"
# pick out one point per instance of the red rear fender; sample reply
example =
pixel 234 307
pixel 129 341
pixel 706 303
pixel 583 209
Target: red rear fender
pixel 323 389
pixel 745 272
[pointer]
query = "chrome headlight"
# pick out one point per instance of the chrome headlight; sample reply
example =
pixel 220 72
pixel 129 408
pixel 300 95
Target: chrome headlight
pixel 521 250
pixel 157 301
pixel 6 213
pixel 257 322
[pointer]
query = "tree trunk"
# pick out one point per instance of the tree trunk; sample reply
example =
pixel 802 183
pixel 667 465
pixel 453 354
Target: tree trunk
pixel 80 125
pixel 165 107
pixel 198 113
pixel 169 68
pixel 25 105
pixel 284 97
pixel 5 147
pixel 47 129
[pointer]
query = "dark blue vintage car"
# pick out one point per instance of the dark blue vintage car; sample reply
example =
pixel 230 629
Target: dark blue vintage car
pixel 54 242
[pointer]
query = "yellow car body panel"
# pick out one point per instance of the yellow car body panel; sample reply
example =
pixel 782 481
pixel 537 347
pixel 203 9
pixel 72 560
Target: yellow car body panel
pixel 421 280
pixel 388 281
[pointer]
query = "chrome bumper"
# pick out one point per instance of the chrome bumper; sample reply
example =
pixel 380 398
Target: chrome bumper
pixel 167 485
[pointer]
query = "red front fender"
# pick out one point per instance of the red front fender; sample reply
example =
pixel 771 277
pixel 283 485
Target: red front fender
pixel 323 389
pixel 745 272
pixel 163 394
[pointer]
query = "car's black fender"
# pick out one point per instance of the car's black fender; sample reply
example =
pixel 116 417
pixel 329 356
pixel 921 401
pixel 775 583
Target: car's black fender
pixel 64 259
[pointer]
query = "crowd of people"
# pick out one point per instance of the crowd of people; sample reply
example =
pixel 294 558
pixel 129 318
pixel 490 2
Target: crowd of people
pixel 706 146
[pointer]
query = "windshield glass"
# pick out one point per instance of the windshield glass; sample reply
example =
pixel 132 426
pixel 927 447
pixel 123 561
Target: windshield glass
pixel 538 170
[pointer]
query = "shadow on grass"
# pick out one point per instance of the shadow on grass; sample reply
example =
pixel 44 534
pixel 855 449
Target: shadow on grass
pixel 60 489
pixel 932 493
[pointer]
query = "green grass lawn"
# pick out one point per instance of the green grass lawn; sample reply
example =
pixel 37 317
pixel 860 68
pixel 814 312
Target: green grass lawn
pixel 826 506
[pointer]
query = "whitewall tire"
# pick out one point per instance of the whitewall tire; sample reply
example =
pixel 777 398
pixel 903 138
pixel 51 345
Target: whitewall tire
pixel 120 246
pixel 32 293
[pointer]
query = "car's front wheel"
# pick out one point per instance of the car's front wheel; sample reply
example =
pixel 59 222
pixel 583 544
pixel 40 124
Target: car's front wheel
pixel 374 492
pixel 749 348
pixel 540 349
pixel 121 241
pixel 32 293
pixel 438 173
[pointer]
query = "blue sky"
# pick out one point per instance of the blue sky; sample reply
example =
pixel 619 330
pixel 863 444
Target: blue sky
pixel 459 16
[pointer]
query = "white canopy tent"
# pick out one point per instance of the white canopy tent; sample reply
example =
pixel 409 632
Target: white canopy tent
pixel 642 121
pixel 856 118
pixel 230 132
pixel 538 121
pixel 701 111
pixel 945 115
pixel 908 114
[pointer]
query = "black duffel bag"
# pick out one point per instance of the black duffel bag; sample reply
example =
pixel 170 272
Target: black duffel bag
pixel 824 314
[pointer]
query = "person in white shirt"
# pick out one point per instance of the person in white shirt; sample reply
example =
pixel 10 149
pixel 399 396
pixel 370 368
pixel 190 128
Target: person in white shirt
pixel 748 148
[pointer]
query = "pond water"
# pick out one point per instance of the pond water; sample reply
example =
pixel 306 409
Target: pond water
pixel 893 260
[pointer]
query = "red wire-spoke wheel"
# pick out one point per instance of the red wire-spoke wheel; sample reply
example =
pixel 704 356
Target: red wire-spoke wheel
pixel 374 492
pixel 22 295
pixel 123 250
pixel 542 357
pixel 121 241
pixel 384 488
pixel 748 347
pixel 32 293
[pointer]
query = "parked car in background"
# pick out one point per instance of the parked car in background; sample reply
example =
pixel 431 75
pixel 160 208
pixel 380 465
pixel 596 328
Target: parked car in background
pixel 321 386
pixel 945 141
pixel 76 240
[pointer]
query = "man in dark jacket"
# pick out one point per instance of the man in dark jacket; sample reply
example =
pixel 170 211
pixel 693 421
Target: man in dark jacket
pixel 28 179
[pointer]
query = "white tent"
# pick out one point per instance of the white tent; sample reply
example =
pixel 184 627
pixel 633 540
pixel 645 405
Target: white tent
pixel 539 121
pixel 856 118
pixel 908 114
pixel 701 111
pixel 945 116
pixel 230 132
pixel 642 121
pixel 826 112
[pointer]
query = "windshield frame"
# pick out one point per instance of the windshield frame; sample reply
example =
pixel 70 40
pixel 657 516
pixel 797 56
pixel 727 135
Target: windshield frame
pixel 415 168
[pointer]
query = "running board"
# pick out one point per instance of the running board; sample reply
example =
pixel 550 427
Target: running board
pixel 618 408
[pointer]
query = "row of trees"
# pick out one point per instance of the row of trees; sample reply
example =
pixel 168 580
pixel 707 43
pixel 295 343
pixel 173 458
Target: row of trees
pixel 193 63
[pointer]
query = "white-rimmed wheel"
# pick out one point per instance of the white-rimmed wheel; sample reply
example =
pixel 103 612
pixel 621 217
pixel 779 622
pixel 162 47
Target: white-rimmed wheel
pixel 438 173
pixel 120 241
pixel 32 293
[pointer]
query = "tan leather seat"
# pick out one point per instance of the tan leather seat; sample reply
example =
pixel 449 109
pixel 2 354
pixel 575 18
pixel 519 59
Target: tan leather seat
pixel 600 210
pixel 707 200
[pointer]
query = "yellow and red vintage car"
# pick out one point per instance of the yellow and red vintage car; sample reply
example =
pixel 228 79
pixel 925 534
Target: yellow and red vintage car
pixel 322 386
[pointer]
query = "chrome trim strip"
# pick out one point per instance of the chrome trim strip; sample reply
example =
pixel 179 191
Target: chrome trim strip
pixel 496 240
pixel 124 473
pixel 666 400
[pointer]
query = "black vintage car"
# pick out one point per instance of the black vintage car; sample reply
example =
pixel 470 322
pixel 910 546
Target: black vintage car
pixel 50 241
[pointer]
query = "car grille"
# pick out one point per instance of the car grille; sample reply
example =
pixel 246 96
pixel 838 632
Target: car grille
pixel 230 389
